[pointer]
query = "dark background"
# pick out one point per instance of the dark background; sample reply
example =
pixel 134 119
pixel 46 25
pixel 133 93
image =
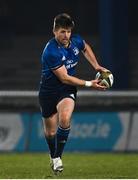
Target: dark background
pixel 110 26
pixel 36 17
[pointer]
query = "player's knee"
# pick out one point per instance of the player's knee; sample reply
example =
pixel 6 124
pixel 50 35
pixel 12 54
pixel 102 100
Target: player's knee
pixel 64 120
pixel 50 133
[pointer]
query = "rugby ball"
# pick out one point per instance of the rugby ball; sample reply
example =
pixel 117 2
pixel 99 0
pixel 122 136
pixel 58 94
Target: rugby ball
pixel 106 78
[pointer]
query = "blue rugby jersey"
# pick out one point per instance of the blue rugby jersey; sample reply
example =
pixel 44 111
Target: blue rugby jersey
pixel 54 56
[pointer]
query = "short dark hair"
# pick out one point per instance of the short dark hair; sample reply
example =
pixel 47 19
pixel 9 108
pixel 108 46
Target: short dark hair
pixel 63 21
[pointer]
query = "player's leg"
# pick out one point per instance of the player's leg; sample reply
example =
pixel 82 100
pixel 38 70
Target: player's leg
pixel 50 127
pixel 50 119
pixel 64 108
pixel 48 104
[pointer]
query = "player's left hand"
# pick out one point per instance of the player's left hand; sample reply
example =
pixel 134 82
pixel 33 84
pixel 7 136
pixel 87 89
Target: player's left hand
pixel 102 69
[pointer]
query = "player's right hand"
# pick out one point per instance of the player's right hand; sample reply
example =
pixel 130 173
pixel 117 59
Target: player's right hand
pixel 96 84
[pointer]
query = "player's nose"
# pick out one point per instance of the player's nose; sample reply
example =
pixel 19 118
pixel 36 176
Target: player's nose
pixel 66 34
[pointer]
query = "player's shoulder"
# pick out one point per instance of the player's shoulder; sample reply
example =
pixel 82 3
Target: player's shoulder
pixel 76 37
pixel 78 41
pixel 52 44
pixel 51 47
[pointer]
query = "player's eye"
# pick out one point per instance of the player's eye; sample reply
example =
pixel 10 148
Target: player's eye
pixel 68 31
pixel 62 32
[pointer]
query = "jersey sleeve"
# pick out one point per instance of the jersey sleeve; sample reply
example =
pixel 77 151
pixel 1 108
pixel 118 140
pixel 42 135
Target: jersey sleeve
pixel 80 42
pixel 53 61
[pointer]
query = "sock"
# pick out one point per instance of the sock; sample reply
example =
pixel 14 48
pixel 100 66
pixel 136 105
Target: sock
pixel 51 141
pixel 61 139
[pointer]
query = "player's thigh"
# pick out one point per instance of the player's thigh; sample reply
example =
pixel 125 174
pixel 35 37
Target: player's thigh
pixel 50 124
pixel 65 108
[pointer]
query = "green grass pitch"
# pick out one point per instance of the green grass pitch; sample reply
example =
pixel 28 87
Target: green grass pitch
pixel 76 166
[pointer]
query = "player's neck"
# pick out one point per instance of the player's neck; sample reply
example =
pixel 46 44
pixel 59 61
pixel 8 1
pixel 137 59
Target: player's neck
pixel 67 45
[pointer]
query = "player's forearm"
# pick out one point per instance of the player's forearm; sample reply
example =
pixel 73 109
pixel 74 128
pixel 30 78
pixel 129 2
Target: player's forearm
pixel 61 73
pixel 79 82
pixel 65 78
pixel 71 80
pixel 89 55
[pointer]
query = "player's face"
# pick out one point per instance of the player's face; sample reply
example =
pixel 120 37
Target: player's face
pixel 63 36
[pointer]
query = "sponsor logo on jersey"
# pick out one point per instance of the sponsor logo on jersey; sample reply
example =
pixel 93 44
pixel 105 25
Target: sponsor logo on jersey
pixel 69 61
pixel 71 65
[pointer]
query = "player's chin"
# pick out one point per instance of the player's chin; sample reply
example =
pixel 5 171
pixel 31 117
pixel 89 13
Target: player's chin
pixel 65 41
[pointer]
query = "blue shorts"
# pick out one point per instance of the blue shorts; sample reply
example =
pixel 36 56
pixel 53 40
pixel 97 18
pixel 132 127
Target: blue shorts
pixel 48 101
